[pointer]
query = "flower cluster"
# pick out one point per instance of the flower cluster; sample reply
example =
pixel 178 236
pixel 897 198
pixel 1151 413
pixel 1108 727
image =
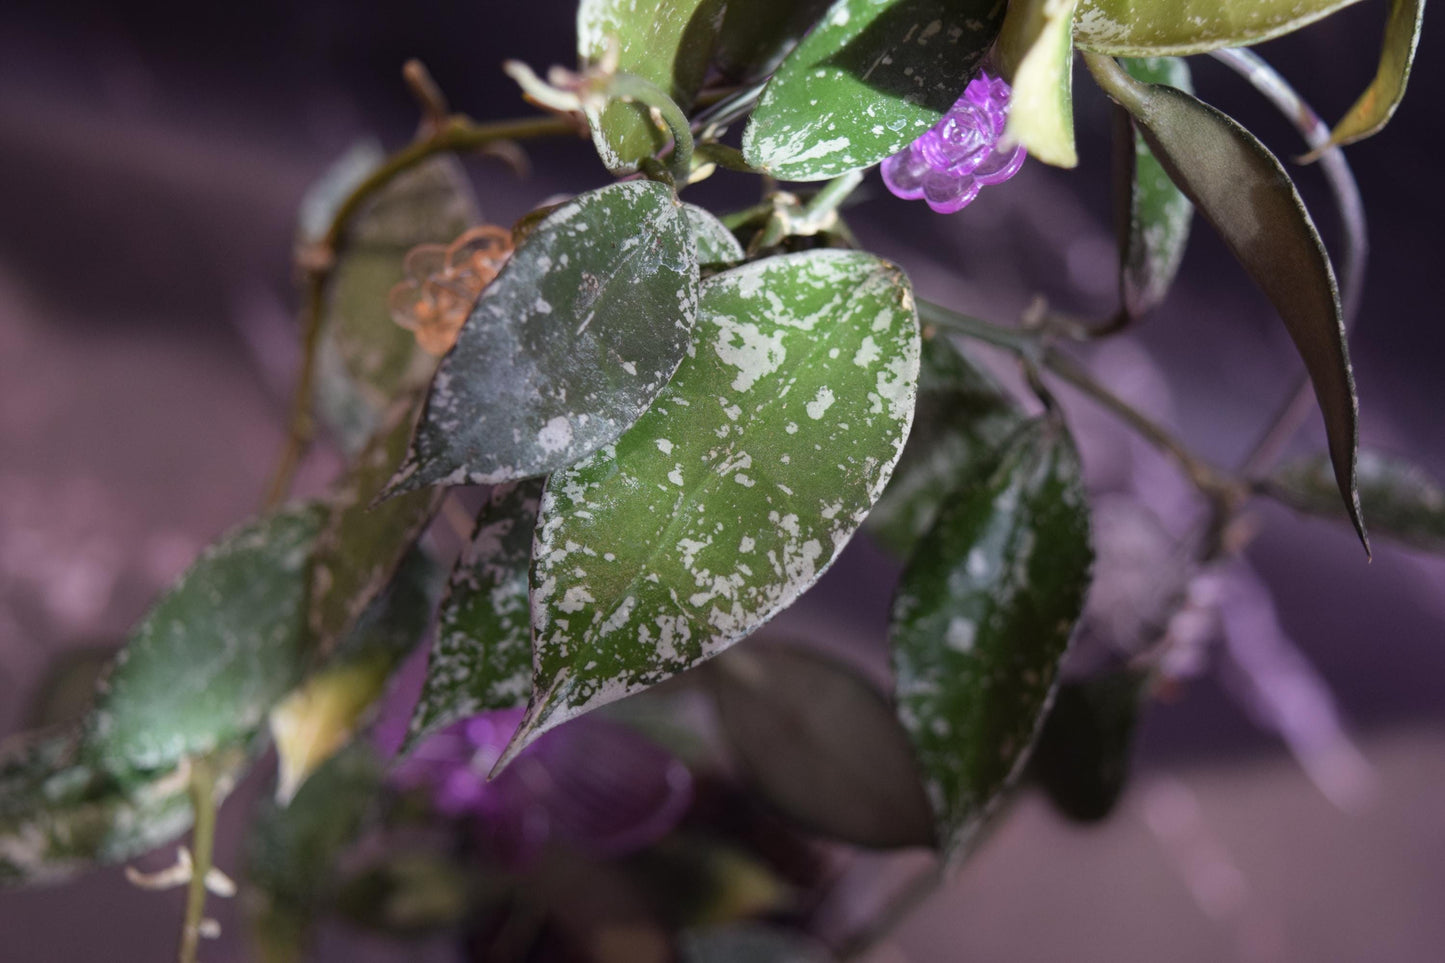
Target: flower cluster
pixel 443 283
pixel 961 153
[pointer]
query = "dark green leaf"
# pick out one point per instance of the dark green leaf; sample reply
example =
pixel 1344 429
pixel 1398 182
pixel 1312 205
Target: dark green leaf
pixel 751 943
pixel 667 42
pixel 1406 502
pixel 1377 104
pixel 1244 192
pixel 960 427
pixel 365 359
pixel 1037 48
pixel 822 746
pixel 361 546
pixel 1152 28
pixel 216 652
pixel 1155 218
pixel 757 34
pixel 735 491
pixel 568 346
pixel 482 656
pixel 59 815
pixel 1082 758
pixel 981 622
pixel 866 82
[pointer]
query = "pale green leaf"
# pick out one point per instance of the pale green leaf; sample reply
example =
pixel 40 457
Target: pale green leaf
pixel 735 491
pixel 1154 28
pixel 1037 48
pixel 1378 103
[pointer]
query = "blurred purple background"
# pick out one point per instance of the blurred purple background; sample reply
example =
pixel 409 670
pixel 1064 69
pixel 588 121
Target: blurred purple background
pixel 151 162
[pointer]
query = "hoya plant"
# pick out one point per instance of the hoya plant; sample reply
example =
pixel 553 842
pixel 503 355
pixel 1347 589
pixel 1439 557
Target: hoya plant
pixel 592 452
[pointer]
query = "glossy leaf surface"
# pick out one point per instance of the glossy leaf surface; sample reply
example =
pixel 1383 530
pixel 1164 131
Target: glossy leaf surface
pixel 735 491
pixel 960 427
pixel 365 358
pixel 666 42
pixel 757 34
pixel 216 652
pixel 1037 47
pixel 482 656
pixel 362 544
pixel 1152 28
pixel 1406 502
pixel 822 746
pixel 1378 103
pixel 1082 758
pixel 981 621
pixel 1155 216
pixel 1244 192
pixel 568 346
pixel 866 82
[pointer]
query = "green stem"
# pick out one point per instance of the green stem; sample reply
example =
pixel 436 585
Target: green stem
pixel 1018 341
pixel 459 134
pixel 625 86
pixel 203 838
pixel 813 216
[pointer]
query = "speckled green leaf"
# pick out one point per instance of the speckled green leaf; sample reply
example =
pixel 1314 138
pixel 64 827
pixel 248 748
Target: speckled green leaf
pixel 1378 103
pixel 568 346
pixel 715 243
pixel 735 491
pixel 667 42
pixel 59 815
pixel 1082 757
pixel 867 80
pixel 215 653
pixel 1406 502
pixel 822 746
pixel 960 427
pixel 1151 28
pixel 1155 216
pixel 365 359
pixel 981 621
pixel 1036 47
pixel 1245 194
pixel 757 34
pixel 362 544
pixel 482 656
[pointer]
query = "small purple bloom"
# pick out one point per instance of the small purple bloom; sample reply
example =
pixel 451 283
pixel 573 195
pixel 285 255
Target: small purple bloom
pixel 592 785
pixel 961 153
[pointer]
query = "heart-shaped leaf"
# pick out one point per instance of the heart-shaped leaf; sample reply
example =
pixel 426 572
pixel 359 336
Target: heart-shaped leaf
pixel 361 546
pixel 1406 502
pixel 735 491
pixel 482 656
pixel 1154 216
pixel 666 42
pixel 1153 28
pixel 1244 192
pixel 216 652
pixel 960 428
pixel 1082 758
pixel 981 621
pixel 59 816
pixel 1036 46
pixel 866 82
pixel 365 359
pixel 822 746
pixel 567 347
pixel 1378 103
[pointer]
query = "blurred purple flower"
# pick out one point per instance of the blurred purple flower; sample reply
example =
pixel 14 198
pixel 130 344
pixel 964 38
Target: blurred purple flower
pixel 961 153
pixel 593 785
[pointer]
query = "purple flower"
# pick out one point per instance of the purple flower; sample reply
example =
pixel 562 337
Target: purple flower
pixel 962 152
pixel 592 785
